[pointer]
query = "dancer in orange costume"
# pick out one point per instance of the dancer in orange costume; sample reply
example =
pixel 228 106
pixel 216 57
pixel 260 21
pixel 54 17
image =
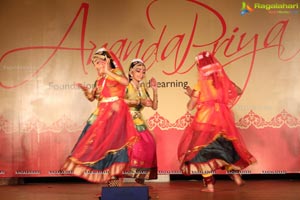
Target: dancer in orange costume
pixel 212 141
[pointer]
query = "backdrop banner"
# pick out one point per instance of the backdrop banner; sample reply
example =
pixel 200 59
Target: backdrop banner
pixel 46 48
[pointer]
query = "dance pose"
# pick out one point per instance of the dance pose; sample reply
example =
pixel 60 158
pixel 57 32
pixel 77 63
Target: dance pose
pixel 212 140
pixel 143 159
pixel 103 150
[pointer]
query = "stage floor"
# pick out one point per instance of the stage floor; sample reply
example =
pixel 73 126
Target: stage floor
pixel 173 190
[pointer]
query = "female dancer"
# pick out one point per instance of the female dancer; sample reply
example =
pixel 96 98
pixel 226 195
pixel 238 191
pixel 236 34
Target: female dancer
pixel 102 152
pixel 143 160
pixel 212 141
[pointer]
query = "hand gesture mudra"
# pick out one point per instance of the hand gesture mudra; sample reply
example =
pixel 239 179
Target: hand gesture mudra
pixel 82 87
pixel 153 83
pixel 188 91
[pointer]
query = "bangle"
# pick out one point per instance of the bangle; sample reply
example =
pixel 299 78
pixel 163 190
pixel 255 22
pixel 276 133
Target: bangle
pixel 89 95
pixel 138 101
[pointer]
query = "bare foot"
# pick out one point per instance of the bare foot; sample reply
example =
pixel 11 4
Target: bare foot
pixel 98 195
pixel 238 179
pixel 140 181
pixel 209 188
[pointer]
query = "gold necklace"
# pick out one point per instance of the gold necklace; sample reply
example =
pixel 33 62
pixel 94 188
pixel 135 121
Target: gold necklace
pixel 137 89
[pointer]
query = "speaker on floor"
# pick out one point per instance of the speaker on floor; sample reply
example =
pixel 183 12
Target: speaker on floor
pixel 125 193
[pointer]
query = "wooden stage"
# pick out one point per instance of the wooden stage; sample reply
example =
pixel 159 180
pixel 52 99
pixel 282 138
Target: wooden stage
pixel 255 188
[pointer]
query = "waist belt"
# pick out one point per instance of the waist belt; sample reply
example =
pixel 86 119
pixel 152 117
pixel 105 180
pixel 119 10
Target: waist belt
pixel 109 99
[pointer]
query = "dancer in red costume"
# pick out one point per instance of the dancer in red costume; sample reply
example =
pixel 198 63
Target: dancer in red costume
pixel 143 161
pixel 212 141
pixel 103 150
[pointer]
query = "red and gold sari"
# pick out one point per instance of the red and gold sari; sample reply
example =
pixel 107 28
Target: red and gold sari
pixel 104 148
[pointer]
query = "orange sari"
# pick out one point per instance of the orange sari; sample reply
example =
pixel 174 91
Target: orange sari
pixel 212 141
